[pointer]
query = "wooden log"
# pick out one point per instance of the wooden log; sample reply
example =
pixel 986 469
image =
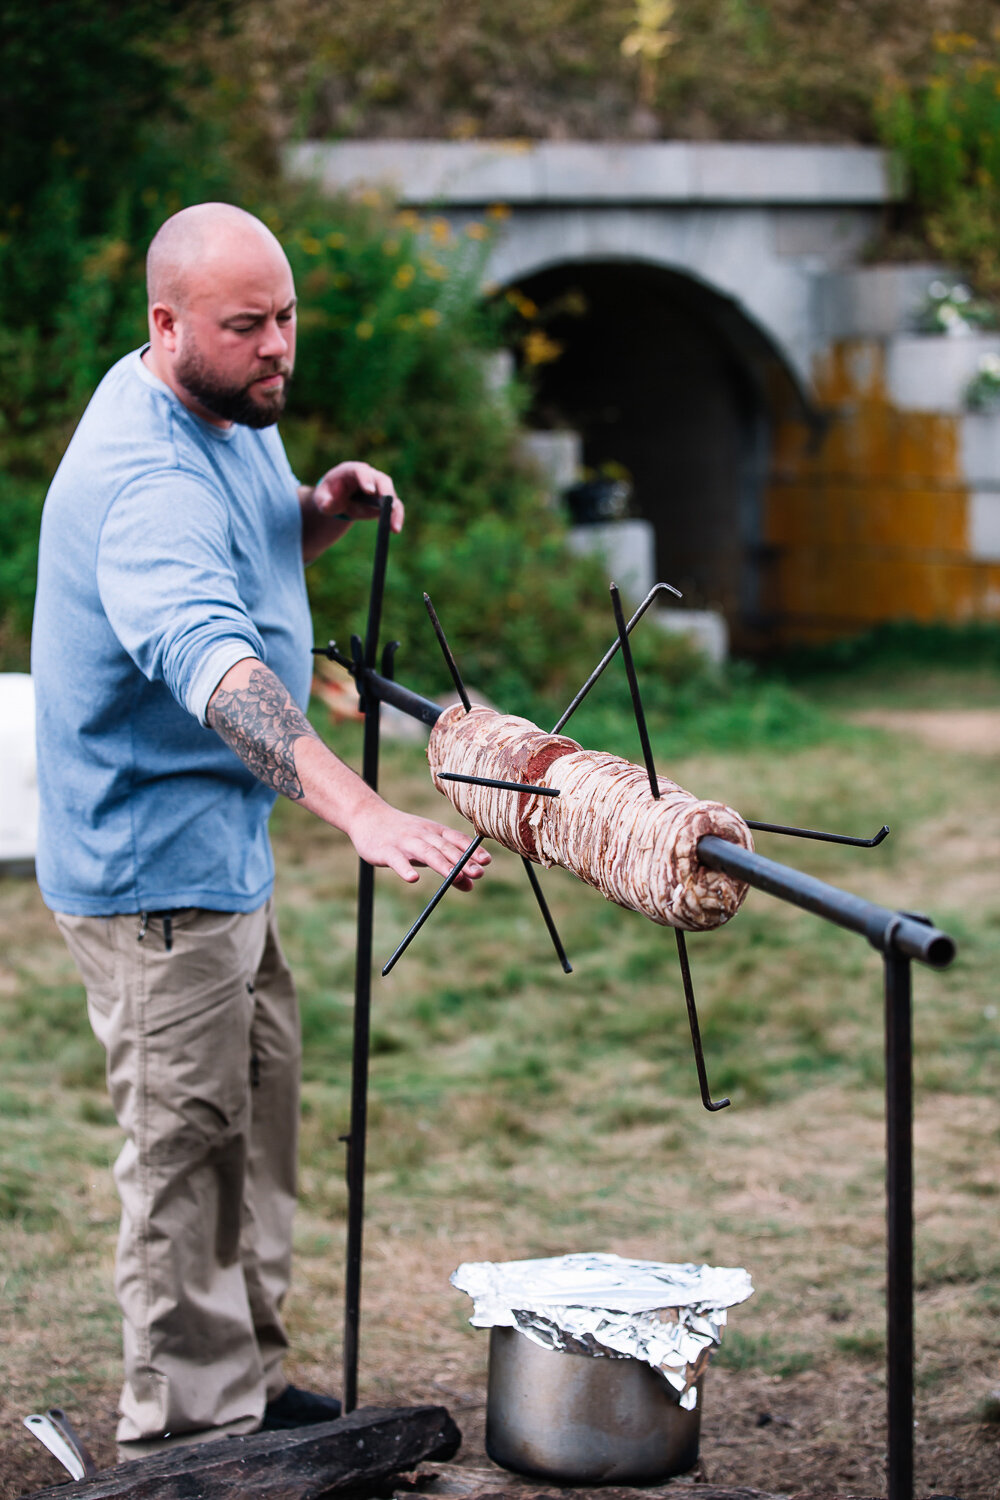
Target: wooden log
pixel 367 1448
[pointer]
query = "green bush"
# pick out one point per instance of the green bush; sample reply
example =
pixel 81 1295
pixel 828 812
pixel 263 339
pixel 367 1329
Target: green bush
pixel 395 345
pixel 946 130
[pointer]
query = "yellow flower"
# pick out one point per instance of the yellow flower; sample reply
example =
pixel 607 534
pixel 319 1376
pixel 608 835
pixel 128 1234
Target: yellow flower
pixel 476 231
pixel 364 330
pixel 498 211
pixel 390 247
pixel 429 316
pixel 310 244
pixel 523 304
pixel 405 322
pixel 404 277
pixel 408 219
pixel 539 349
pixel 336 241
pixel 953 41
pixel 440 231
pixel 433 268
pixel 109 260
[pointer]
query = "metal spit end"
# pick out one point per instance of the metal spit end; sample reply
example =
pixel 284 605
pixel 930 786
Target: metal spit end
pixel 941 951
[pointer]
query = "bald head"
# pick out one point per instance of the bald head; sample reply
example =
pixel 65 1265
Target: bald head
pixel 195 242
pixel 221 314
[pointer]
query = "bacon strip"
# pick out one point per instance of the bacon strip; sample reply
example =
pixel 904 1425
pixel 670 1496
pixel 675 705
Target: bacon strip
pixel 605 826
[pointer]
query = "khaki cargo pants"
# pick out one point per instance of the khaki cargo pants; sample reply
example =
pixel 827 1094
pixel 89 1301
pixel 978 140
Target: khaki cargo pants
pixel 203 1062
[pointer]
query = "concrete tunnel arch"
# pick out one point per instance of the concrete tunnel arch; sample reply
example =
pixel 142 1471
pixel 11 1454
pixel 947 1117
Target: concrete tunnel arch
pixel 670 378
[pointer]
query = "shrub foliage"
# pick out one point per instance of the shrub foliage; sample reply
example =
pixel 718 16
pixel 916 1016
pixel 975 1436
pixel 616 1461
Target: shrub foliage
pixel 394 353
pixel 946 128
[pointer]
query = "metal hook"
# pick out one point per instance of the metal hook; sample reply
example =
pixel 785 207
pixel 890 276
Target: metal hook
pixel 692 1010
pixel 389 659
pixel 658 588
pixel 826 838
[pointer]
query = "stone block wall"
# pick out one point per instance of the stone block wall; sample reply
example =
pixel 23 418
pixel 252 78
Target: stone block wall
pixel 890 509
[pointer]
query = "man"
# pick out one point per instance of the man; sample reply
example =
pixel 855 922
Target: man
pixel 171 663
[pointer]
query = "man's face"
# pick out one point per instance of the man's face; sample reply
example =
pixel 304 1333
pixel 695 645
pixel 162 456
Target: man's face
pixel 237 336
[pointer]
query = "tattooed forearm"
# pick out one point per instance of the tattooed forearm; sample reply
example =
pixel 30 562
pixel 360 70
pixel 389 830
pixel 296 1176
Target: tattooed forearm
pixel 262 724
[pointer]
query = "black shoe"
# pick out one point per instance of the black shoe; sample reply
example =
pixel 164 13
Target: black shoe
pixel 295 1408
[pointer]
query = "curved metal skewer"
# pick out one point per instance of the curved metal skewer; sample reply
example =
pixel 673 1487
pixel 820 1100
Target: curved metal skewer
pixel 826 838
pixel 692 1010
pixel 657 589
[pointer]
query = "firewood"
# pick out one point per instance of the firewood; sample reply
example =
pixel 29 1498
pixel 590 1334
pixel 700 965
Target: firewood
pixel 363 1451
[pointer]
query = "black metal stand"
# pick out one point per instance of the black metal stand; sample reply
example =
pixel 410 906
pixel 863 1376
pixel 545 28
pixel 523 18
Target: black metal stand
pixel 364 658
pixel 899 1217
pixel 900 937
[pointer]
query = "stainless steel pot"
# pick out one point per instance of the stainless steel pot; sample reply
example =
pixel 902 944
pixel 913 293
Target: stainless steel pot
pixel 584 1419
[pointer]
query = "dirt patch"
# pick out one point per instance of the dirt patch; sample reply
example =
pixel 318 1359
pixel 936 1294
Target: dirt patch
pixel 967 731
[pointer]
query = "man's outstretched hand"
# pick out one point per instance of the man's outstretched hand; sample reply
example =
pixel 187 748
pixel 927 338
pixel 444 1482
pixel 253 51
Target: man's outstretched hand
pixel 401 842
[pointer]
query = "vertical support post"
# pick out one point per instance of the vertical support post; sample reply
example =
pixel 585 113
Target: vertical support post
pixel 357 1139
pixel 899 1205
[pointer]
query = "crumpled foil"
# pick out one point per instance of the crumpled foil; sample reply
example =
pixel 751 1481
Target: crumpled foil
pixel 670 1316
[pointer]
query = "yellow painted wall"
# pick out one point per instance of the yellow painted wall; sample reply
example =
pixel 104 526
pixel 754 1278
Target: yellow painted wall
pixel 868 521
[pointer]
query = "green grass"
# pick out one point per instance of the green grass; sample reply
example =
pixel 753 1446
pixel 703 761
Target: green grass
pixel 515 1110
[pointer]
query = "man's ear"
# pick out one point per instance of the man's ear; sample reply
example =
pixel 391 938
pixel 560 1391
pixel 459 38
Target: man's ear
pixel 164 322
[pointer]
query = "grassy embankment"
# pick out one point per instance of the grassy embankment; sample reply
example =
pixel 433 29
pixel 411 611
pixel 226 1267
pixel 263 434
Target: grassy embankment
pixel 516 1111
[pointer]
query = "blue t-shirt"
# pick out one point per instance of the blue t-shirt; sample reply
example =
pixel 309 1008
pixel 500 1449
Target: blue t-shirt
pixel 170 550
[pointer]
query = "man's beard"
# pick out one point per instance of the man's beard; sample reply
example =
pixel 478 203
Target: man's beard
pixel 231 403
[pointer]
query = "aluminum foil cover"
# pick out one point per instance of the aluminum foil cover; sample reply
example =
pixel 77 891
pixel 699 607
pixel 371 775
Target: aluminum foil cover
pixel 671 1316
